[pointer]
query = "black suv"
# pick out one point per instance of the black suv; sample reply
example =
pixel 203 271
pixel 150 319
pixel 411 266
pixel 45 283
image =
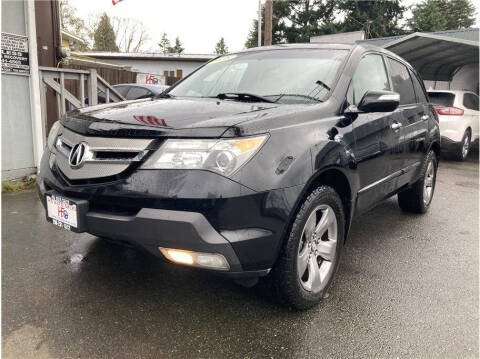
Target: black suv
pixel 253 165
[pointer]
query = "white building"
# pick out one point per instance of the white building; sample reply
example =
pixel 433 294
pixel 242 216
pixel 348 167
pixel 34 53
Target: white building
pixel 168 65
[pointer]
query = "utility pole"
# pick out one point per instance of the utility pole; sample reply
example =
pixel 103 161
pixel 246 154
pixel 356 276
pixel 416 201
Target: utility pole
pixel 268 22
pixel 259 23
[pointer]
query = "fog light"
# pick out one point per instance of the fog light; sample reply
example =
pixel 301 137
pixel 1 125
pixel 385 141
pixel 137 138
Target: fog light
pixel 196 259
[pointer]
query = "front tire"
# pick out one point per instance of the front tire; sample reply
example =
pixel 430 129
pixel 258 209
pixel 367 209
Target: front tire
pixel 310 255
pixel 417 199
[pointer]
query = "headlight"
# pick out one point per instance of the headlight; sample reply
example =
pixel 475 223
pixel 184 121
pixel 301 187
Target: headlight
pixel 52 136
pixel 222 156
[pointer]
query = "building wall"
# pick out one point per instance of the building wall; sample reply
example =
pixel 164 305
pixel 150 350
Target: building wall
pixel 158 66
pixel 17 140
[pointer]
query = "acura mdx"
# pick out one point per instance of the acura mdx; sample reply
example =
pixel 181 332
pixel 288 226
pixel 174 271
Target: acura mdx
pixel 253 165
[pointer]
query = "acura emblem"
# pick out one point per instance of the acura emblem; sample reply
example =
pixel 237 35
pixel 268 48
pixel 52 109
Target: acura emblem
pixel 78 155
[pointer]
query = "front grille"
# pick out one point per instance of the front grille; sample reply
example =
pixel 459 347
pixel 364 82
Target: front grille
pixel 102 157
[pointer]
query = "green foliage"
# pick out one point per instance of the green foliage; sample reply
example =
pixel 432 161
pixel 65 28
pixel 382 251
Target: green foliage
pixel 309 18
pixel 73 24
pixel 221 48
pixel 280 12
pixel 104 35
pixel 164 44
pixel 378 18
pixel 438 15
pixel 177 48
pixel 20 185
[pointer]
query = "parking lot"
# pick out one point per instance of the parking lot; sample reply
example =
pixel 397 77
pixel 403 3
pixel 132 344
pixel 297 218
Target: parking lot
pixel 407 287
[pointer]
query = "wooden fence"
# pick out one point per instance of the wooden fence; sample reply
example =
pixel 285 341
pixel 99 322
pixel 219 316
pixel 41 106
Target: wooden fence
pixel 82 84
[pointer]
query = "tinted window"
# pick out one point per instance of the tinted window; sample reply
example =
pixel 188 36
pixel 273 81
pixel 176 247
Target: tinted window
pixel 287 76
pixel 137 92
pixel 402 83
pixel 369 75
pixel 441 98
pixel 470 101
pixel 122 90
pixel 419 91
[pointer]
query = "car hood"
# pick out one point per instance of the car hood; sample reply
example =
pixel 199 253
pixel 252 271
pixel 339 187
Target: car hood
pixel 164 117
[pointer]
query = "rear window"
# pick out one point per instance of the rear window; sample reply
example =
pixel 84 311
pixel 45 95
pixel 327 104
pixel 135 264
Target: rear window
pixel 470 101
pixel 442 98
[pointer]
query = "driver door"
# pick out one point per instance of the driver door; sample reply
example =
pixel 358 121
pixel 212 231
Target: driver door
pixel 372 133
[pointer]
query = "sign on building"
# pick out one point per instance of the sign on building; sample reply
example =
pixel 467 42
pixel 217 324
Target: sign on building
pixel 15 54
pixel 152 79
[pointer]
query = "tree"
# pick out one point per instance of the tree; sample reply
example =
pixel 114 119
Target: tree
pixel 377 18
pixel 437 15
pixel 297 21
pixel 221 48
pixel 177 48
pixel 310 18
pixel 164 43
pixel 130 34
pixel 104 35
pixel 73 24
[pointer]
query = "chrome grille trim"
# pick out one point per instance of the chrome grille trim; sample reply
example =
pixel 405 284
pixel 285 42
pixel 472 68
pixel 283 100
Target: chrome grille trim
pixel 107 156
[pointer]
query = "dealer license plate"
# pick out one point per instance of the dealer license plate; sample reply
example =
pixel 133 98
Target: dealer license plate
pixel 62 212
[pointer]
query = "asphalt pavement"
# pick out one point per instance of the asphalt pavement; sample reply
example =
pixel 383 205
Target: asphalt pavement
pixel 407 287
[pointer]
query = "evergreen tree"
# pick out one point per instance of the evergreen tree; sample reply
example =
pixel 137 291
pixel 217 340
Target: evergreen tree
pixel 438 15
pixel 164 44
pixel 296 21
pixel 280 11
pixel 177 48
pixel 377 18
pixel 104 36
pixel 221 48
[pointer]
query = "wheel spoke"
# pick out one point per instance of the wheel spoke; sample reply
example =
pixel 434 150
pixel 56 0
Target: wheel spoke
pixel 326 250
pixel 302 261
pixel 429 181
pixel 314 279
pixel 327 219
pixel 310 226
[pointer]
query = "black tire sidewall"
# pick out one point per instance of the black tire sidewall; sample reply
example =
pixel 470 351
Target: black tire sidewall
pixel 321 195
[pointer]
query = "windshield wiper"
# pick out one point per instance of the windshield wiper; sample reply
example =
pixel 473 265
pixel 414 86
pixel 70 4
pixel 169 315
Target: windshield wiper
pixel 296 95
pixel 163 95
pixel 242 96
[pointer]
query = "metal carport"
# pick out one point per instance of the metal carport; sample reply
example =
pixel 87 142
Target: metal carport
pixel 435 57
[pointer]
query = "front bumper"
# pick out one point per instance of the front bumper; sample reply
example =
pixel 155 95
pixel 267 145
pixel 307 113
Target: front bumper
pixel 161 209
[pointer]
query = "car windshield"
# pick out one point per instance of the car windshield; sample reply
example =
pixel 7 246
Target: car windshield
pixel 284 76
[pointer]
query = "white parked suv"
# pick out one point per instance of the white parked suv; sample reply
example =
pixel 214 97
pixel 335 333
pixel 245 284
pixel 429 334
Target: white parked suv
pixel 458 113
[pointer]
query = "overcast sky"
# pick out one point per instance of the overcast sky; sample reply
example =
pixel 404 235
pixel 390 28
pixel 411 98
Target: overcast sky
pixel 199 24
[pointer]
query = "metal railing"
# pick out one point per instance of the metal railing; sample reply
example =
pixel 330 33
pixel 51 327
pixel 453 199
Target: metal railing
pixel 86 81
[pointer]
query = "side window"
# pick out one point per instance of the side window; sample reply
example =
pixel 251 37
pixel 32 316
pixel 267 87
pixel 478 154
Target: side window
pixel 402 82
pixel 369 75
pixel 122 90
pixel 419 89
pixel 470 101
pixel 136 93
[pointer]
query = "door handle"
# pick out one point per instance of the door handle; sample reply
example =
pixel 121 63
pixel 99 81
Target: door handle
pixel 425 117
pixel 395 126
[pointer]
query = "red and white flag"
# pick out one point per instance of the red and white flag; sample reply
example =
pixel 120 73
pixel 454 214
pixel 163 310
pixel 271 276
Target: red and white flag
pixel 115 2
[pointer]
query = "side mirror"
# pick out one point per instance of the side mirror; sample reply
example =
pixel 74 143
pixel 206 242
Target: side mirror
pixel 379 101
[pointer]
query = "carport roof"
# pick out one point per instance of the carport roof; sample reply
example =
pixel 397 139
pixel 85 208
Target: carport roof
pixel 436 56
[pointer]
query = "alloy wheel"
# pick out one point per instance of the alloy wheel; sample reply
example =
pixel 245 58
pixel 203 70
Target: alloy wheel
pixel 429 183
pixel 317 249
pixel 465 146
